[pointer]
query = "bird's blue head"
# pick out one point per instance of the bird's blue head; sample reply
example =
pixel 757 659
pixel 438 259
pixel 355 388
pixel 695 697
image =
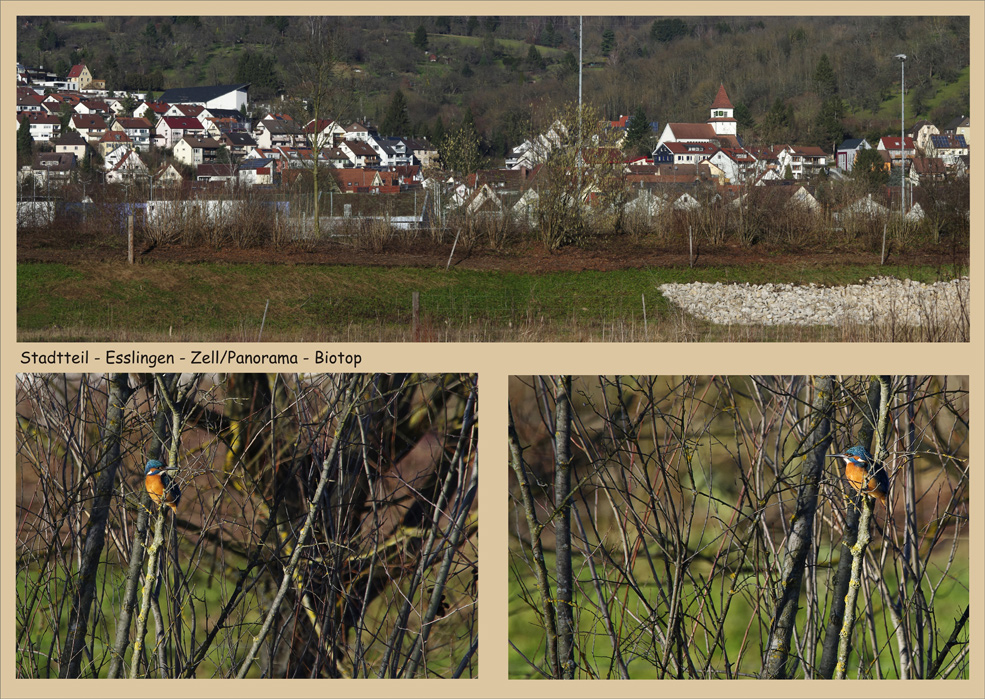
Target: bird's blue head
pixel 858 454
pixel 154 468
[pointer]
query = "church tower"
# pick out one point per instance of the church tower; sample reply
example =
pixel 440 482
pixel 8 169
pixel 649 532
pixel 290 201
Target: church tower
pixel 722 119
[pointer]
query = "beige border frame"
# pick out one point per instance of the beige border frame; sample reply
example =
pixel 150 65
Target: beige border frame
pixel 494 363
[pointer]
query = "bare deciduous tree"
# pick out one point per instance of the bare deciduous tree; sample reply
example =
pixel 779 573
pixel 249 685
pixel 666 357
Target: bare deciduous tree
pixel 713 538
pixel 327 526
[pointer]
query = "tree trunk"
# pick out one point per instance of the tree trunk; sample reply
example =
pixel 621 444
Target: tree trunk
pixel 776 664
pixel 562 528
pixel 85 589
pixel 836 616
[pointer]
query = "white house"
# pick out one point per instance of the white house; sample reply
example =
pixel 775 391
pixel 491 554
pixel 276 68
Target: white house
pixel 173 129
pixel 137 129
pixel 219 96
pixel 44 127
pixel 196 150
pixel 128 168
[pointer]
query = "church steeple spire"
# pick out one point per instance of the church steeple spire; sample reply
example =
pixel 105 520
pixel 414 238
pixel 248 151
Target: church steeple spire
pixel 722 119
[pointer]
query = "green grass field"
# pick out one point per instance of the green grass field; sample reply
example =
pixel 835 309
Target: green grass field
pixel 161 301
pixel 594 649
pixel 211 592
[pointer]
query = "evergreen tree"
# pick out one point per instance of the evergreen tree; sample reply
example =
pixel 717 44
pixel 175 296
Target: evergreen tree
pixel 666 30
pixel 438 133
pixel 534 59
pixel 129 103
pixel 25 142
pixel 442 25
pixel 743 116
pixel 870 169
pixel 608 42
pixel 825 83
pixel 549 37
pixel 471 26
pixel 777 122
pixel 827 124
pixel 569 64
pixel 396 121
pixel 639 135
pixel 65 113
pixel 260 71
pixel 421 38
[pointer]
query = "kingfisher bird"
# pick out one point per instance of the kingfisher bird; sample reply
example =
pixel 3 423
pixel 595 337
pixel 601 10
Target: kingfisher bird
pixel 160 486
pixel 864 473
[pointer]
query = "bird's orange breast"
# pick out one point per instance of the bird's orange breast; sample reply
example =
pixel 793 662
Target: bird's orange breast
pixel 155 487
pixel 860 478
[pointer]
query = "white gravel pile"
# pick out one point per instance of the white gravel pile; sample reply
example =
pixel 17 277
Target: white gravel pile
pixel 879 300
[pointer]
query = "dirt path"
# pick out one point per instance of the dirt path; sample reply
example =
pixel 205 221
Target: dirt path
pixel 528 258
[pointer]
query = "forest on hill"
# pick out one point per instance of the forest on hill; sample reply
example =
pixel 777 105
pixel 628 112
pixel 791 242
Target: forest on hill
pixel 806 80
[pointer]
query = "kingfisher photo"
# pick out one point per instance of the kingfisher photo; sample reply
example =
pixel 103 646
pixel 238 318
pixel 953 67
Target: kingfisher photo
pixel 737 527
pixel 247 526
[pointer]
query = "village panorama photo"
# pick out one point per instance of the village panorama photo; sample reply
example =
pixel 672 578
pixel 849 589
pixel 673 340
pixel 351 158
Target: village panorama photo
pixel 493 178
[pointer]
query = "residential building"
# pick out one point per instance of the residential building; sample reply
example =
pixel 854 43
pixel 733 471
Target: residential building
pixel 278 132
pixel 360 153
pixel 736 165
pixel 111 140
pixel 959 127
pixel 79 77
pixel 891 144
pixel 684 152
pixel 53 167
pixel 196 150
pixel 29 102
pixel 357 179
pixel 237 143
pixel 90 126
pixel 43 126
pixel 921 132
pixel 846 153
pixel 173 129
pixel 257 171
pixel 137 129
pixel 219 96
pixel 923 170
pixel 948 147
pixel 127 168
pixel 216 172
pixel 71 142
pixel 803 161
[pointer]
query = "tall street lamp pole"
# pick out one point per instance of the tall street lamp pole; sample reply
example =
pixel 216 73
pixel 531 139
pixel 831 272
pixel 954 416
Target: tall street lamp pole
pixel 902 129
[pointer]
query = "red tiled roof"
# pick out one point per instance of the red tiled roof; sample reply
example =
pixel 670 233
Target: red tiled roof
pixel 39 118
pixel 182 123
pixel 88 121
pixel 721 100
pixel 115 137
pixel 693 131
pixel 190 110
pixel 892 142
pixel 76 70
pixel 133 122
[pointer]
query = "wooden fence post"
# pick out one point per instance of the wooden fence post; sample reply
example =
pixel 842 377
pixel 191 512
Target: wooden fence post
pixel 130 238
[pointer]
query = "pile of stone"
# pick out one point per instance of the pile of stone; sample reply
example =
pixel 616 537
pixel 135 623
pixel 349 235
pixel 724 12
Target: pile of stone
pixel 879 300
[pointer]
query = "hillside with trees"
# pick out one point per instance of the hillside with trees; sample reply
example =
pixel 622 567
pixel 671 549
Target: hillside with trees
pixel 809 80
